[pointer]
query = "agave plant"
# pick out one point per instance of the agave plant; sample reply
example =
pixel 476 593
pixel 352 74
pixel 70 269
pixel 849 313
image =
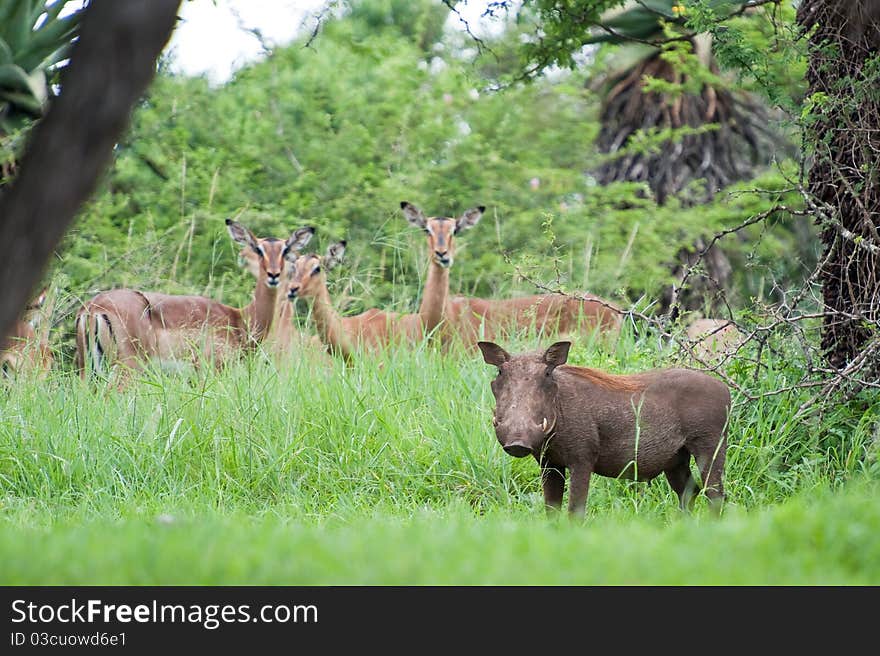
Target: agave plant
pixel 34 40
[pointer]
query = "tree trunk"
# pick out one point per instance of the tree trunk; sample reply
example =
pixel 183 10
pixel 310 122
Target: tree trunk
pixel 842 142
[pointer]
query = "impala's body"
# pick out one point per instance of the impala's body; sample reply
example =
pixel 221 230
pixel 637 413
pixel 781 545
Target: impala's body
pixel 25 350
pixel 713 337
pixel 130 327
pixel 467 319
pixel 478 318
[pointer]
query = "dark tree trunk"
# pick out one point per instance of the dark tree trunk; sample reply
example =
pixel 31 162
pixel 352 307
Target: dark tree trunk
pixel 111 65
pixel 843 145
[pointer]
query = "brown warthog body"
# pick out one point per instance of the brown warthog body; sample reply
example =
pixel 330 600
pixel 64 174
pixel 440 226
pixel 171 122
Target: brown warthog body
pixel 587 421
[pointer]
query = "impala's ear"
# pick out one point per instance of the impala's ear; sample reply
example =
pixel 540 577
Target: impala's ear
pixel 32 311
pixel 414 215
pixel 40 299
pixel 334 254
pixel 469 219
pixel 241 235
pixel 493 354
pixel 557 354
pixel 297 241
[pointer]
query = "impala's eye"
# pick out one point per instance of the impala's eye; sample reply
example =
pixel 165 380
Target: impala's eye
pixel 317 270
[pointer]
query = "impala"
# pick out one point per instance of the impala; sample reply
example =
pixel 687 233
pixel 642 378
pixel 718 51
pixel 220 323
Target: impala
pixel 713 338
pixel 441 231
pixel 283 337
pixel 24 349
pixel 130 327
pixel 342 335
pixel 472 318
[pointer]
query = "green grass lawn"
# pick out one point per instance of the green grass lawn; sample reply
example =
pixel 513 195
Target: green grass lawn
pixel 389 473
pixel 817 538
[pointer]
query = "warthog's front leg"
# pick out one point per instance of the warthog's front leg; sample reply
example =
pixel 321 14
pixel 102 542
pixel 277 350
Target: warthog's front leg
pixel 579 489
pixel 553 482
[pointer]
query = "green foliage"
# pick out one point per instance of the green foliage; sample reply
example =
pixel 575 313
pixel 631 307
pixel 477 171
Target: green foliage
pixel 348 463
pixel 338 134
pixel 401 447
pixel 818 538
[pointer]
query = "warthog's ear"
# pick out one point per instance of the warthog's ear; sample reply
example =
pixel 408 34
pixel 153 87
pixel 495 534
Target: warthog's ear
pixel 557 354
pixel 414 215
pixel 493 354
pixel 297 241
pixel 242 235
pixel 334 254
pixel 469 219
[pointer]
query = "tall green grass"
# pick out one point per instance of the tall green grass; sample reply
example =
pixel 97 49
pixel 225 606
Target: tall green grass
pixel 217 476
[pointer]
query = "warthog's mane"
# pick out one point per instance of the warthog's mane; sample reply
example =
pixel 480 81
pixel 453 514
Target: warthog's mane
pixel 622 383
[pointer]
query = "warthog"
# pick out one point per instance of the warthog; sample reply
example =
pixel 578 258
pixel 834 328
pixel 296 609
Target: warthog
pixel 589 421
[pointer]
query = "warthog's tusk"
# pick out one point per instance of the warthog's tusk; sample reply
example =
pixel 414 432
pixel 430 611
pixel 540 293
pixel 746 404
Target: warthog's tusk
pixel 544 425
pixel 547 430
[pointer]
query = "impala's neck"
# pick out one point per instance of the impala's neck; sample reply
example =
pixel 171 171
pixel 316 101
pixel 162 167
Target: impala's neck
pixel 329 323
pixel 259 313
pixel 282 317
pixel 434 297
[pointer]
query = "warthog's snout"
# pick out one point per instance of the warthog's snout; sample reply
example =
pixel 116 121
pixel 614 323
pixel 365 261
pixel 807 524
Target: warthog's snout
pixel 517 449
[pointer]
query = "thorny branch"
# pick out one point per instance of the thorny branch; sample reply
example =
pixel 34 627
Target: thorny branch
pixel 764 330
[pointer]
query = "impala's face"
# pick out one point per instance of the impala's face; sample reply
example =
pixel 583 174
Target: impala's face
pixel 306 277
pixel 441 242
pixel 441 230
pixel 306 272
pixel 268 257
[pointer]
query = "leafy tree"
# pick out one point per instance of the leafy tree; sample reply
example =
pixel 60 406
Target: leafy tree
pixel 668 118
pixel 338 133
